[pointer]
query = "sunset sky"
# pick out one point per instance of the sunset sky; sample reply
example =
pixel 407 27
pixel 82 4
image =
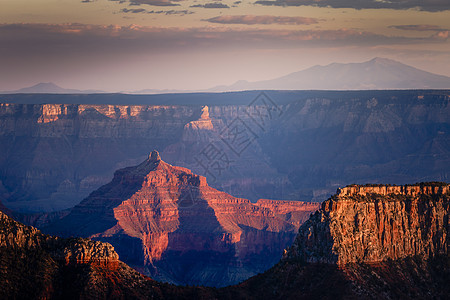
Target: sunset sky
pixel 126 45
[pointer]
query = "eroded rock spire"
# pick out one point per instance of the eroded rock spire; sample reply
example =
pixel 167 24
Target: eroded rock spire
pixel 154 156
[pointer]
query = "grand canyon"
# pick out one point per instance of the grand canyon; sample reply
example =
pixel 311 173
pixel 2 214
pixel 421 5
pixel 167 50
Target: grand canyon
pixel 247 195
pixel 223 149
pixel 365 242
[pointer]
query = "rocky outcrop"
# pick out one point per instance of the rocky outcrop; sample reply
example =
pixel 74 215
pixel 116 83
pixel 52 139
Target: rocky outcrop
pixel 198 130
pixel 70 251
pixel 371 224
pixel 157 215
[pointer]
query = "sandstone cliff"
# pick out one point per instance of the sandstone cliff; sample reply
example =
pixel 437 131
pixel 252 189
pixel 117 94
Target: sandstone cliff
pixel 368 224
pixel 167 221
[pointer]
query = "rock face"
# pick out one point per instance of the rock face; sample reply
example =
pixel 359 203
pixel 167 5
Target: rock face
pixel 369 224
pixel 168 222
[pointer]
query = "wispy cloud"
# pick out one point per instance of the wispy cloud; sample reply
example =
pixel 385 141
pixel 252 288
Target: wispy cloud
pixel 421 27
pixel 73 37
pixel 211 5
pixel 165 12
pixel 150 2
pixel 425 5
pixel 133 10
pixel 252 20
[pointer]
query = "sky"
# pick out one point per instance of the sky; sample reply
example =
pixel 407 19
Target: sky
pixel 130 45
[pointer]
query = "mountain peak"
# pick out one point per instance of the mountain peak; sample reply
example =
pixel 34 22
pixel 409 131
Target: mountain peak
pixel 383 61
pixel 43 87
pixel 49 88
pixel 376 74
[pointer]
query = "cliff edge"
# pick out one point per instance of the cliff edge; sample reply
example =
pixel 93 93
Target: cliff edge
pixel 368 224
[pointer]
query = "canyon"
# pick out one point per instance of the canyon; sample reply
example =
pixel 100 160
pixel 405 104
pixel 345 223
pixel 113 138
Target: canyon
pixel 168 223
pixel 294 145
pixel 365 242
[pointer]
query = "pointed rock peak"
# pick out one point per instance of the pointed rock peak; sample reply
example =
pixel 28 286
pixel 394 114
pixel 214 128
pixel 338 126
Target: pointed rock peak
pixel 205 112
pixel 154 156
pixel 383 61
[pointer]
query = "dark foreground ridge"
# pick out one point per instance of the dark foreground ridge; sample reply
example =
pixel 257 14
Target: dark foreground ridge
pixel 362 244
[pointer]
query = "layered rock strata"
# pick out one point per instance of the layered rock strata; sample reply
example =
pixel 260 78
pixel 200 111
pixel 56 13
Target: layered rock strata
pixel 370 224
pixel 53 155
pixel 159 216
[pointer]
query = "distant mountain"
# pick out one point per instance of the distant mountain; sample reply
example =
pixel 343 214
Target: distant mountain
pixel 50 88
pixel 376 74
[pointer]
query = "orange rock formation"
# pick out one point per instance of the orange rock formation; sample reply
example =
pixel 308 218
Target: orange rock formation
pixel 155 213
pixel 370 224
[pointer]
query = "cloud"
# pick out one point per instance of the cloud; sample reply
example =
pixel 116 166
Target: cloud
pixel 103 53
pixel 68 39
pixel 172 12
pixel 211 5
pixel 133 11
pixel 252 20
pixel 424 5
pixel 418 27
pixel 150 2
pixel 165 12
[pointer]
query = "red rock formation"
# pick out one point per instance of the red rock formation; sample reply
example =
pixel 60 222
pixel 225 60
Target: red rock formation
pixel 370 224
pixel 155 213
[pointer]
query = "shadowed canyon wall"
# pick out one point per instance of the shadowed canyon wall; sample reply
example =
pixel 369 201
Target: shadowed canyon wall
pixel 279 145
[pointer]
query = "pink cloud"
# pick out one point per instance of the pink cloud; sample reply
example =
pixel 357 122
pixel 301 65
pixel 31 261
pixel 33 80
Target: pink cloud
pixel 252 20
